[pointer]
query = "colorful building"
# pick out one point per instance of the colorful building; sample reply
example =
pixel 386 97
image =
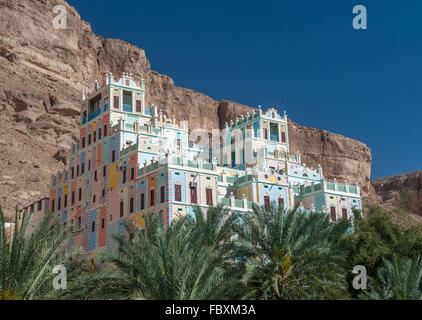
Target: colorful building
pixel 37 210
pixel 133 161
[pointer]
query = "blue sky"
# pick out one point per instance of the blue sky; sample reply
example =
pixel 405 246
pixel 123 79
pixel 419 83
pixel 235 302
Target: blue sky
pixel 363 84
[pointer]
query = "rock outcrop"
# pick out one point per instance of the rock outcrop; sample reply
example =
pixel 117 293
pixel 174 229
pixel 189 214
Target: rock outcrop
pixel 43 72
pixel 409 185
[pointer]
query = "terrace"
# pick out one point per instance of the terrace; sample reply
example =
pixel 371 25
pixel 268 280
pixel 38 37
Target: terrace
pixel 325 186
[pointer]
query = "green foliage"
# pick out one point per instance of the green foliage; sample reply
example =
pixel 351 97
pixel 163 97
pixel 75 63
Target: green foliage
pixel 291 255
pixel 185 262
pixel 221 255
pixel 398 279
pixel 26 264
pixel 378 238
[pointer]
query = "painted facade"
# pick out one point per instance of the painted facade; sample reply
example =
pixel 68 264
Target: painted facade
pixel 133 161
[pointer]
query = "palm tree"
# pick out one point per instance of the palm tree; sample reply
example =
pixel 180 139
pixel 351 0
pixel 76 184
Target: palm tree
pixel 291 255
pixel 214 228
pixel 158 264
pixel 398 279
pixel 26 263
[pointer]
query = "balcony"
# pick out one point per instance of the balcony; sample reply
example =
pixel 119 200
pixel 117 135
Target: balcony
pixel 127 108
pixel 274 137
pixel 94 114
pixel 236 203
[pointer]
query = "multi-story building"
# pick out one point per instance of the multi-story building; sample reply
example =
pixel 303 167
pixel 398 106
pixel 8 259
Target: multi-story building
pixel 37 210
pixel 132 161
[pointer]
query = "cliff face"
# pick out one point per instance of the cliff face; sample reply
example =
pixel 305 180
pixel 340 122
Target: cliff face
pixel 388 189
pixel 340 157
pixel 43 72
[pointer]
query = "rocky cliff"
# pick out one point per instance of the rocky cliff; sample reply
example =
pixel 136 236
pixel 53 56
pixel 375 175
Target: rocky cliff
pixel 43 72
pixel 409 185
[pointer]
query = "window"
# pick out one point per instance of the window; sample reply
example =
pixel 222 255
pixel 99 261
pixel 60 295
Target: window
pixel 77 170
pixel 95 136
pixel 102 223
pixel 344 213
pixel 283 136
pixel 121 208
pixel 94 104
pixel 116 102
pixel 73 197
pixel 79 221
pixel 104 171
pixel 73 172
pixel 53 205
pixel 94 198
pixel 95 175
pixel 80 194
pixel 93 226
pixel 151 200
pixel 82 168
pixel 333 213
pixel 267 203
pixel 281 203
pixel 89 165
pixel 124 176
pixel 274 132
pixel 162 194
pixel 177 192
pixel 113 155
pixel 142 201
pixel 131 205
pixel 103 193
pixel 265 133
pixel 83 142
pixel 39 205
pixel 99 133
pixel 65 201
pixel 105 130
pixel 111 217
pixel 89 139
pixel 59 204
pixel 138 106
pixel 127 98
pixel 132 173
pixel 209 196
pixel 193 195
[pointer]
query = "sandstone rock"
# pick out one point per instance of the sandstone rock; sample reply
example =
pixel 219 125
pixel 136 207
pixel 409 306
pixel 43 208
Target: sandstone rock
pixel 389 188
pixel 340 157
pixel 43 90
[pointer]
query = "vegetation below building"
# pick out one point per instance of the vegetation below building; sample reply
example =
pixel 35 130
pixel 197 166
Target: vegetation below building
pixel 279 255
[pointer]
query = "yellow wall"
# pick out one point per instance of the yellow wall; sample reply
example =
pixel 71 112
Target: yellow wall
pixel 114 176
